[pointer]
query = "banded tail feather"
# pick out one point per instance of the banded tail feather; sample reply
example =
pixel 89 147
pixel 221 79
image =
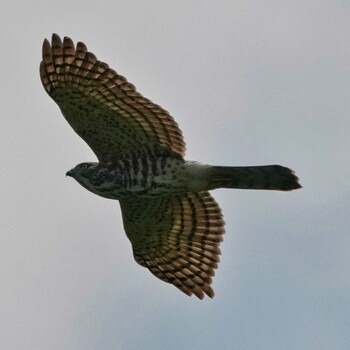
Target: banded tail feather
pixel 266 177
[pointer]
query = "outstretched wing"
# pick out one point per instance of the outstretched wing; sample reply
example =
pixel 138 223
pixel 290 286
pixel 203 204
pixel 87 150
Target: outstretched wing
pixel 102 106
pixel 177 238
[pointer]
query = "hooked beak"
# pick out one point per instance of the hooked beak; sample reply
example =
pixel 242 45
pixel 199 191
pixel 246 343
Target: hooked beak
pixel 69 173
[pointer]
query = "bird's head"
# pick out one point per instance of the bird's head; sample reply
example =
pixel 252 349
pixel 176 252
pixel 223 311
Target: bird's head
pixel 98 178
pixel 82 171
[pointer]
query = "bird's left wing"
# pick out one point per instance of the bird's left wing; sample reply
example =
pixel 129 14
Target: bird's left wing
pixel 102 106
pixel 177 238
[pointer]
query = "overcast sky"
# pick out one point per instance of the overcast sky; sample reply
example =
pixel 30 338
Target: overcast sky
pixel 250 82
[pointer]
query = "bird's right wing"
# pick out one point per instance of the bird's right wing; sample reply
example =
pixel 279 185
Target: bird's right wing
pixel 103 107
pixel 177 238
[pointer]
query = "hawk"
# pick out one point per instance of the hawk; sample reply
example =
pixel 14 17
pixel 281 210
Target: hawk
pixel 173 223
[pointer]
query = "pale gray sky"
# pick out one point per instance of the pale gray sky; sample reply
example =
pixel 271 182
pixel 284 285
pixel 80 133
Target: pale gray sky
pixel 250 82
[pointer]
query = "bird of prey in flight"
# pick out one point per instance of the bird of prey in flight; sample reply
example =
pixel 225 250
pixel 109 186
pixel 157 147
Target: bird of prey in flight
pixel 174 224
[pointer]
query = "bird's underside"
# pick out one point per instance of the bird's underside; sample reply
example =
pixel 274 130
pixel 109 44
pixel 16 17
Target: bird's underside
pixel 175 226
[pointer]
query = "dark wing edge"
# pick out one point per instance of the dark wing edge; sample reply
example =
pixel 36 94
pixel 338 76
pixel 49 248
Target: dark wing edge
pixel 177 238
pixel 64 67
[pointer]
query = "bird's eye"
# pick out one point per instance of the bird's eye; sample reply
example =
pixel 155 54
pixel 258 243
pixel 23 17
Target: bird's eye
pixel 83 166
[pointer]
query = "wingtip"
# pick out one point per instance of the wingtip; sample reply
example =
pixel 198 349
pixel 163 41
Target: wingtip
pixel 67 41
pixel 207 291
pixel 46 48
pixel 81 47
pixel 56 39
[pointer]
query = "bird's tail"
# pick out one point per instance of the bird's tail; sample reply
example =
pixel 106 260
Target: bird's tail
pixel 267 177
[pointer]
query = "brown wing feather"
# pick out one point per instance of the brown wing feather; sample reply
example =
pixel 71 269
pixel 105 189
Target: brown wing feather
pixel 102 106
pixel 177 238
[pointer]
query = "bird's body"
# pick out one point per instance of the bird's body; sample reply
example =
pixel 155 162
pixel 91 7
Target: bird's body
pixel 174 224
pixel 149 176
pixel 145 176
